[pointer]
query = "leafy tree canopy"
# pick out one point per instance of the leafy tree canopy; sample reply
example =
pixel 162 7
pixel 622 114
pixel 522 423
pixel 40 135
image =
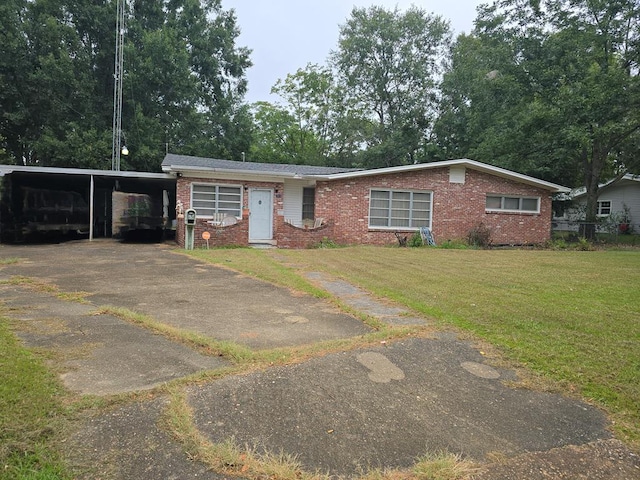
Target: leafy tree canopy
pixel 548 88
pixel 388 64
pixel 374 102
pixel 183 82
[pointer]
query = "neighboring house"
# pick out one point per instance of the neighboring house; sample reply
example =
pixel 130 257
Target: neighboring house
pixel 618 207
pixel 297 206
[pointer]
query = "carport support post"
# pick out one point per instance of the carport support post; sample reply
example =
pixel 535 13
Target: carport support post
pixel 91 192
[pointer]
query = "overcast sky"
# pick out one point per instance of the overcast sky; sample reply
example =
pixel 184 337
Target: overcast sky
pixel 285 35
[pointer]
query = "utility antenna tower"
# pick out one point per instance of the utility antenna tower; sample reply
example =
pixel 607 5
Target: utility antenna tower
pixel 117 88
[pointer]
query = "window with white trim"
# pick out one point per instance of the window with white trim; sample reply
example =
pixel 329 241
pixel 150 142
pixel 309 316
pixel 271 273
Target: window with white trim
pixel 209 199
pixel 504 203
pixel 604 208
pixel 399 209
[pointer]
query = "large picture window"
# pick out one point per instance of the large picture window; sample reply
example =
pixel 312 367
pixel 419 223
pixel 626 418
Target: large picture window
pixel 513 204
pixel 399 209
pixel 208 200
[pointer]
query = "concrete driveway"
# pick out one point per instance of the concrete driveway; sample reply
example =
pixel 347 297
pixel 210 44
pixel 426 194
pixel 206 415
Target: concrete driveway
pixel 342 413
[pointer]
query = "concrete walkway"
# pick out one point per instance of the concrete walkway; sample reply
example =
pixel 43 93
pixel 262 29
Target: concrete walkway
pixel 340 413
pixel 363 302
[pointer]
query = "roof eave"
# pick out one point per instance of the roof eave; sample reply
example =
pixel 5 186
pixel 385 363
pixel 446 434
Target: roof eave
pixel 629 177
pixel 449 163
pixel 231 171
pixel 8 169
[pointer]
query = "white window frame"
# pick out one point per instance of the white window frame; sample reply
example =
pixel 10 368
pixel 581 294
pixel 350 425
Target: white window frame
pixel 391 191
pixel 503 203
pixel 215 200
pixel 602 206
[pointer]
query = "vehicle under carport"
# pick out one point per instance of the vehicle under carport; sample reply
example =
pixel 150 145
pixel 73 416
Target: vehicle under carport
pixel 48 203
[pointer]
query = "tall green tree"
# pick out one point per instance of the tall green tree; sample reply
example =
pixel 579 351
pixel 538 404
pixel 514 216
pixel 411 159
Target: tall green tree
pixel 44 79
pixel 549 88
pixel 309 97
pixel 183 81
pixel 276 136
pixel 14 66
pixel 388 64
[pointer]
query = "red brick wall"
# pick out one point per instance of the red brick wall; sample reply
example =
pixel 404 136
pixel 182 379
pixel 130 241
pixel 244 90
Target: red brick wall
pixel 457 208
pixel 284 235
pixel 344 205
pixel 296 237
pixel 237 234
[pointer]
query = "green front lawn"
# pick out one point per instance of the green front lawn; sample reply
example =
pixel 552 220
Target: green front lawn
pixel 573 317
pixel 31 414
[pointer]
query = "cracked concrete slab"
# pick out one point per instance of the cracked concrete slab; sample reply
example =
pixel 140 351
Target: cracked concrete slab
pixel 186 293
pixel 374 407
pixel 99 354
pixel 384 407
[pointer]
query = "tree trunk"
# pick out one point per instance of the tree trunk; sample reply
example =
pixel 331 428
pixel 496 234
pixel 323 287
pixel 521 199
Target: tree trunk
pixel 592 176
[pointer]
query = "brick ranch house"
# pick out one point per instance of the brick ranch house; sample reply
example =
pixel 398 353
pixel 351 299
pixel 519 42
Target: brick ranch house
pixel 297 206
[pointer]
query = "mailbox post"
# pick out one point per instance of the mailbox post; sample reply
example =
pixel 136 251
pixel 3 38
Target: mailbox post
pixel 189 231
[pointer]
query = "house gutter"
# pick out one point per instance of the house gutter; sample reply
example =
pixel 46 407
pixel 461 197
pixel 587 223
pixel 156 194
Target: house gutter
pixel 235 172
pixel 9 169
pixel 501 172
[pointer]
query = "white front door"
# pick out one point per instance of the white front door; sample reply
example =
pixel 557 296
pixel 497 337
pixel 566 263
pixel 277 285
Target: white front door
pixel 260 215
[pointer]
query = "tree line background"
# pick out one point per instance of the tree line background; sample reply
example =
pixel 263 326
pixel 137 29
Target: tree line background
pixel 547 88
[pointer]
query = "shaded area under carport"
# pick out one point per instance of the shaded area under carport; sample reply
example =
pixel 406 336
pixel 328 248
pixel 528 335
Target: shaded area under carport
pixel 72 202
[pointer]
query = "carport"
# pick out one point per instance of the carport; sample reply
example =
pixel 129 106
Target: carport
pixel 74 200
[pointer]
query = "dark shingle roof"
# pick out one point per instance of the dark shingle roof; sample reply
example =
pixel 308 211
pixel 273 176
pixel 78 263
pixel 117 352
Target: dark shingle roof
pixel 172 160
pixel 332 173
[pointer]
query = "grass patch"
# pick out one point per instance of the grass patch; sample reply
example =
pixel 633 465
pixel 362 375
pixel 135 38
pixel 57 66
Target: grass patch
pixel 568 316
pixel 443 466
pixel 9 260
pixel 571 317
pixel 31 413
pixel 44 287
pixel 431 466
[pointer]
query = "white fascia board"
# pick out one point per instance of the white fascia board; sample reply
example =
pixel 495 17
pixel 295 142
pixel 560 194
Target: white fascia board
pixel 7 169
pixel 231 174
pixel 483 167
pixel 503 172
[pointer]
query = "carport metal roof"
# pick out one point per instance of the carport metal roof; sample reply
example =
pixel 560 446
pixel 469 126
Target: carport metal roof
pixel 7 169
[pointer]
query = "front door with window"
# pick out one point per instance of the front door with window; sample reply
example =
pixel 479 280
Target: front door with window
pixel 260 215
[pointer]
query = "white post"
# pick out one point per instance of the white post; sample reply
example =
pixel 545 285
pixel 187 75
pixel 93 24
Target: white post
pixel 91 191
